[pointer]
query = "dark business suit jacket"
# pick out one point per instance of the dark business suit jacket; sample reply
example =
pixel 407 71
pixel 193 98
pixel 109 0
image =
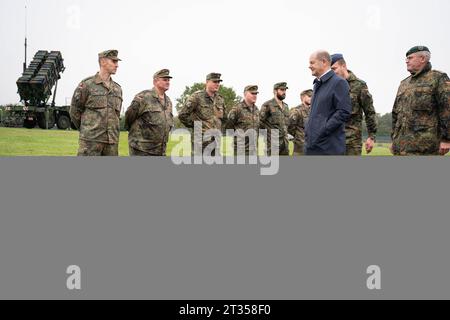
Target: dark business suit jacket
pixel 331 109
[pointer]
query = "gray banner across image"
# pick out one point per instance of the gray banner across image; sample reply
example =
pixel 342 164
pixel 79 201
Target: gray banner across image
pixel 148 229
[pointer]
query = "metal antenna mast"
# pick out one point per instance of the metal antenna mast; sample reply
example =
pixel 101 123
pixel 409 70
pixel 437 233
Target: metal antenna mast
pixel 26 32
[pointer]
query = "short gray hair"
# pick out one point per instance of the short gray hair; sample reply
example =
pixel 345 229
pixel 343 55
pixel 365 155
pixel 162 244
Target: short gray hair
pixel 425 54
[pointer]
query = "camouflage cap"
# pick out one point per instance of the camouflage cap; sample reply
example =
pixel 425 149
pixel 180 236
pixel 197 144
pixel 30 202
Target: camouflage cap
pixel 281 85
pixel 252 89
pixel 214 77
pixel 110 54
pixel 308 92
pixel 164 73
pixel 417 49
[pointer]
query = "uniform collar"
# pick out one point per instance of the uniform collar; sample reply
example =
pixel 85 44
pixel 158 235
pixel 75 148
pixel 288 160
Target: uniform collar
pixel 247 106
pixel 155 93
pixel 303 106
pixel 427 68
pixel 275 101
pixel 155 96
pixel 351 76
pixel 99 80
pixel 208 96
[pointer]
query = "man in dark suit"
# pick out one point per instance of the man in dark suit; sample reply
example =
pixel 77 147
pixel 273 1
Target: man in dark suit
pixel 331 109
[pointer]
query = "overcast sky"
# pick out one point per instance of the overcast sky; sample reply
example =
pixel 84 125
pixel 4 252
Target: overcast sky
pixel 248 41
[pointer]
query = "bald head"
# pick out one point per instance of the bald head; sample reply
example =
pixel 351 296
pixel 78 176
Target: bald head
pixel 319 63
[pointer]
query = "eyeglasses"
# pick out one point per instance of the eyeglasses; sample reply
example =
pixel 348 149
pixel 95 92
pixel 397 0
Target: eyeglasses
pixel 217 81
pixel 254 93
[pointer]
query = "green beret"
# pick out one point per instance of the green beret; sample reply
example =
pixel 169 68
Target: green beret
pixel 417 49
pixel 110 54
pixel 214 77
pixel 281 85
pixel 252 89
pixel 308 92
pixel 164 73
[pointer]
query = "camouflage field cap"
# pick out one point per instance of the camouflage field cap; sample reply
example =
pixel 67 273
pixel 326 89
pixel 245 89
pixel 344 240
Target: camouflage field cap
pixel 281 85
pixel 417 49
pixel 110 54
pixel 214 77
pixel 308 92
pixel 164 73
pixel 252 89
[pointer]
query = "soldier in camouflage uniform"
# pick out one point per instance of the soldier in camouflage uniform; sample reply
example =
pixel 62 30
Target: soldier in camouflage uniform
pixel 205 106
pixel 95 109
pixel 274 115
pixel 421 113
pixel 362 103
pixel 243 117
pixel 298 118
pixel 149 119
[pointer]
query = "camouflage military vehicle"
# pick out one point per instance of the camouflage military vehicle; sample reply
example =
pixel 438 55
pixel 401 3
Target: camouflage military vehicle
pixel 35 89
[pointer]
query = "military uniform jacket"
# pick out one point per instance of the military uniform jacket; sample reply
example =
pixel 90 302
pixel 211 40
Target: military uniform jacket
pixel 421 114
pixel 273 116
pixel 95 110
pixel 149 122
pixel 243 117
pixel 298 118
pixel 201 107
pixel 362 102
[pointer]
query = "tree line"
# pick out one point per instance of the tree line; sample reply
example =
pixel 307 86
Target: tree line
pixel 231 98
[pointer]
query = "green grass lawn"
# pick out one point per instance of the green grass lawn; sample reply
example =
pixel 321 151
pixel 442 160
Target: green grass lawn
pixel 37 142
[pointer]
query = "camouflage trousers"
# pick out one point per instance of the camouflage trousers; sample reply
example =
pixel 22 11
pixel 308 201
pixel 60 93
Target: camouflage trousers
pixel 283 145
pixel 139 153
pixel 250 149
pixel 416 154
pixel 299 149
pixel 354 150
pixel 97 149
pixel 211 143
pixel 419 150
pixel 247 152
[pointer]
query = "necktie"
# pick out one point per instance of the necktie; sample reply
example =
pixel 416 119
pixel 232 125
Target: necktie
pixel 317 84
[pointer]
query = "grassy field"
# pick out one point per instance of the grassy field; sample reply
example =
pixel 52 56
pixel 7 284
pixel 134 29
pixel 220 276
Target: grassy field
pixel 37 142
